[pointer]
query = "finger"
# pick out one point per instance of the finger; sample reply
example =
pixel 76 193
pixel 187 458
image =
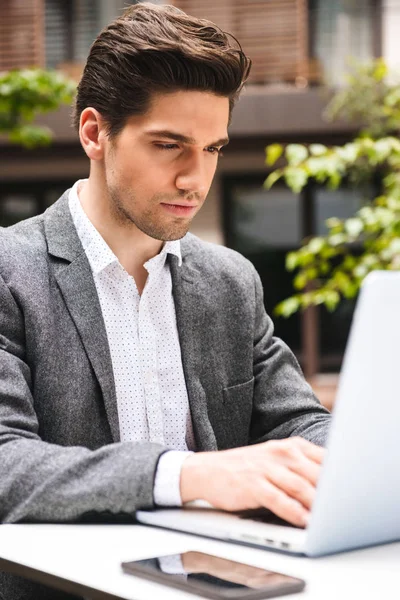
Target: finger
pixel 312 451
pixel 287 508
pixel 307 469
pixel 294 485
pixel 290 452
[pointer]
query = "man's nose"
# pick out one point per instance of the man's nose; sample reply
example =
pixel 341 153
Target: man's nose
pixel 193 177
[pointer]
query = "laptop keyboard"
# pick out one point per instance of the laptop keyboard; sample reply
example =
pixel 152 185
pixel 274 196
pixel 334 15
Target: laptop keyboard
pixel 263 515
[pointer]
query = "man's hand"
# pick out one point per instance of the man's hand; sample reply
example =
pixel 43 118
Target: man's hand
pixel 279 475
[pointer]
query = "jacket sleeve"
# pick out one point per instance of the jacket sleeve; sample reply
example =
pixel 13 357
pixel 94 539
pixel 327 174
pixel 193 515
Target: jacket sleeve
pixel 40 481
pixel 284 404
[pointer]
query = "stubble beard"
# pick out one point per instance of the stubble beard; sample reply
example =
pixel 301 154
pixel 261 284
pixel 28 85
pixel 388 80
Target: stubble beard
pixel 149 222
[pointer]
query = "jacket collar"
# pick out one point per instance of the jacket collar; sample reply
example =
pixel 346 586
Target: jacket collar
pixel 75 280
pixel 62 238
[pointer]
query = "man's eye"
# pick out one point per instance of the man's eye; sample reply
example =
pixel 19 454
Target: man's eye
pixel 214 150
pixel 166 146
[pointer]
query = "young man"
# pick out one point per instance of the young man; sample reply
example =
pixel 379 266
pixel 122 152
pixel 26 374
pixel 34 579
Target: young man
pixel 127 343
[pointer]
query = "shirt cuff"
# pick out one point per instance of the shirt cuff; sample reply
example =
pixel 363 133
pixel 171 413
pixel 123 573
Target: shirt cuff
pixel 168 477
pixel 172 565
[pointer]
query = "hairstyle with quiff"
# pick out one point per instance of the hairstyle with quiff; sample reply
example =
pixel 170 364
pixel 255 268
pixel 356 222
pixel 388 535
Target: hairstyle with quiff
pixel 153 49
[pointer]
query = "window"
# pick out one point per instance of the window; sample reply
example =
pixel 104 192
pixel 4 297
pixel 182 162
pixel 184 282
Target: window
pixel 341 203
pixel 72 25
pixel 341 30
pixel 265 219
pixel 21 200
pixel 265 225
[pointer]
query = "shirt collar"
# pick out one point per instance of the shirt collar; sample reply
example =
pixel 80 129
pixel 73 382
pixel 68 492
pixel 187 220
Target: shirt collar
pixel 98 252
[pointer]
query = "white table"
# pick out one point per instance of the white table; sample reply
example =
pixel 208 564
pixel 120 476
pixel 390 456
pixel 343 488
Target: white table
pixel 89 558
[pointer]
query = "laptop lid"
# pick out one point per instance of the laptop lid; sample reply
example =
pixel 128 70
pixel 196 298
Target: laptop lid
pixel 358 496
pixel 358 492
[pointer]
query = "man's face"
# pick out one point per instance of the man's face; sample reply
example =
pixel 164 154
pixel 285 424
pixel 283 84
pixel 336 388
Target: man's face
pixel 159 168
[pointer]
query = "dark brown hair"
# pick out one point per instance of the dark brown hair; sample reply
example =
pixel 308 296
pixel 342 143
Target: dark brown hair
pixel 152 49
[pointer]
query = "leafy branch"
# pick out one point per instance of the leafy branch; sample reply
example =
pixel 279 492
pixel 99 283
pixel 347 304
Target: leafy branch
pixel 332 267
pixel 26 93
pixel 328 268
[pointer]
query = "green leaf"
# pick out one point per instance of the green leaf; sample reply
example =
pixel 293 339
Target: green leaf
pixel 300 281
pixel 324 267
pixel 337 239
pixel 349 262
pixel 272 178
pixel 296 154
pixel 354 226
pixel 296 178
pixel 395 246
pixel 380 70
pixel 342 281
pixel 30 136
pixel 383 148
pixel 361 271
pixel 332 299
pixel 26 93
pixel 291 261
pixel 315 245
pixel 349 152
pixel 317 149
pixel 334 180
pixel 334 223
pixel 393 97
pixel 288 307
pixel 273 152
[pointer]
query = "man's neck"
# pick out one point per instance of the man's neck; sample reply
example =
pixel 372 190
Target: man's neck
pixel 131 246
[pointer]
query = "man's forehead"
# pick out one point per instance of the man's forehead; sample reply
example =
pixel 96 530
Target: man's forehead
pixel 192 116
pixel 182 104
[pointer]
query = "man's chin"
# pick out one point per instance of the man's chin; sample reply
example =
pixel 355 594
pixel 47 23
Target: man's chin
pixel 170 235
pixel 164 231
pixel 174 237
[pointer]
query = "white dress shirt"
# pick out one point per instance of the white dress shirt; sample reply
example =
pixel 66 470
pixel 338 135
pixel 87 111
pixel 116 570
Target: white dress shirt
pixel 145 352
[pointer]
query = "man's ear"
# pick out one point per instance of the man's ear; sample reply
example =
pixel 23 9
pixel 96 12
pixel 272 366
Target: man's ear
pixel 92 133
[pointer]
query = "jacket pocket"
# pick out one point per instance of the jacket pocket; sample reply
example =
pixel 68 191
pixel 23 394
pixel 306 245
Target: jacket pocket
pixel 238 391
pixel 236 415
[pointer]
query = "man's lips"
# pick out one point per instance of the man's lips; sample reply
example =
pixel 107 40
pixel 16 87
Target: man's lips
pixel 179 209
pixel 179 204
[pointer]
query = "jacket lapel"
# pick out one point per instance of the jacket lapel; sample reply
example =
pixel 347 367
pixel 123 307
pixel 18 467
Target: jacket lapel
pixel 190 300
pixel 74 277
pixel 75 280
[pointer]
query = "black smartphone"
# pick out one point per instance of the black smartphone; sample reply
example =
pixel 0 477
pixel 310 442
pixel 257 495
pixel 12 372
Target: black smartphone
pixel 214 577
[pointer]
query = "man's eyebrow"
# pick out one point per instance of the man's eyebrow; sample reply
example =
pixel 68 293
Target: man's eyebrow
pixel 179 137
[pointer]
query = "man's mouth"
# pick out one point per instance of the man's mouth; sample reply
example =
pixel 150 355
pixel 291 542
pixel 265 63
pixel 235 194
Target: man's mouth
pixel 180 209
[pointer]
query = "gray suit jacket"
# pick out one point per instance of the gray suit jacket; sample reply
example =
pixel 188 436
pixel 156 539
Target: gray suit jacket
pixel 61 458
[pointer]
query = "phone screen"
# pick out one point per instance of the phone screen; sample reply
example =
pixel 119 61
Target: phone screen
pixel 214 577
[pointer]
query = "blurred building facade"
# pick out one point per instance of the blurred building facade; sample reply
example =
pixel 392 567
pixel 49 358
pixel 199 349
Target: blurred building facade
pixel 296 46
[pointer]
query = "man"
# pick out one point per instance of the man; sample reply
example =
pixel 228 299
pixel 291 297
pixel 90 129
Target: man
pixel 138 366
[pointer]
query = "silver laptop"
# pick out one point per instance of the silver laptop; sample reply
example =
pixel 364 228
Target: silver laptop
pixel 358 495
